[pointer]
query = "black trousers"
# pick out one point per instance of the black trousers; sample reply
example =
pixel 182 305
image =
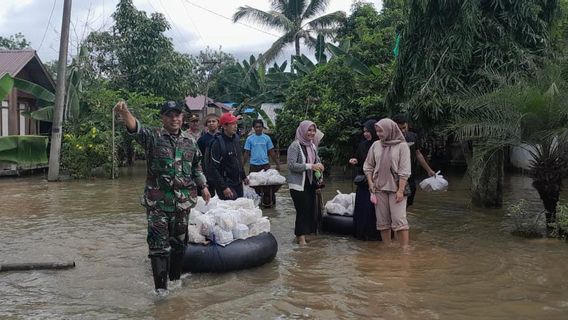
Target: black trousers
pixel 304 203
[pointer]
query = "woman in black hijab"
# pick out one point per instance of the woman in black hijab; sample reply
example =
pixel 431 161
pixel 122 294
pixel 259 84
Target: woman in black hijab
pixel 364 219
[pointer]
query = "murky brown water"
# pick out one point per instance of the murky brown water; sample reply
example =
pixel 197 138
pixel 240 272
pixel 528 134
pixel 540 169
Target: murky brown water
pixel 463 263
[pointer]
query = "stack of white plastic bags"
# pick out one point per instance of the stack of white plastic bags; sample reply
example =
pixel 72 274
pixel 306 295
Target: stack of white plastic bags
pixel 342 204
pixel 266 177
pixel 224 221
pixel 434 183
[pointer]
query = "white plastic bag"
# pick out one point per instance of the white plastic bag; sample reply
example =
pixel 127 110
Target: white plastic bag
pixel 249 193
pixel 223 237
pixel 341 204
pixel 240 231
pixel 193 234
pixel 260 226
pixel 226 218
pixel 434 183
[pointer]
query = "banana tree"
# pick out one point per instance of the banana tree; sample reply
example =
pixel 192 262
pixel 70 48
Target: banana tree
pixel 23 149
pixel 251 85
pixel 344 50
pixel 46 98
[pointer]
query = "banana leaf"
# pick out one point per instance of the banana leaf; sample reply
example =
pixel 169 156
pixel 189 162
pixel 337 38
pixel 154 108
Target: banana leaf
pixel 23 149
pixel 6 85
pixel 43 114
pixel 34 89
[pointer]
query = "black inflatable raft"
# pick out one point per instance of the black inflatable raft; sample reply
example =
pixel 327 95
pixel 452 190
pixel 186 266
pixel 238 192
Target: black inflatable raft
pixel 239 254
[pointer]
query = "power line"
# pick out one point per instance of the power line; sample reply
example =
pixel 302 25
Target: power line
pixel 47 26
pixel 224 17
pixel 174 26
pixel 193 24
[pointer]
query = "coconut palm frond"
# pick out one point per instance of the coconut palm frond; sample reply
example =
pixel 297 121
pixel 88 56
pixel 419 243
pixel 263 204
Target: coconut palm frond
pixel 315 7
pixel 279 5
pixel 276 49
pixel 328 21
pixel 272 19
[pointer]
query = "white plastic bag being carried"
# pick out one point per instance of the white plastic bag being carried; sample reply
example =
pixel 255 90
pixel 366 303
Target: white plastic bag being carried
pixel 434 183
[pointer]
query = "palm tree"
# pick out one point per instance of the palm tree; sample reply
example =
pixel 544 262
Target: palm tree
pixel 292 17
pixel 532 114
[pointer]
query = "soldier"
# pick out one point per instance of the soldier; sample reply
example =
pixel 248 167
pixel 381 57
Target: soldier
pixel 173 176
pixel 193 129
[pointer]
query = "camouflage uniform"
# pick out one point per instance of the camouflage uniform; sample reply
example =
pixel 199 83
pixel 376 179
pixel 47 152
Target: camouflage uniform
pixel 173 176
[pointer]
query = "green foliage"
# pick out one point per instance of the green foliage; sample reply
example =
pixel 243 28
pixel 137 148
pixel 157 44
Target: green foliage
pixel 448 47
pixel 350 88
pixel 23 149
pixel 329 96
pixel 297 20
pixel 526 223
pixel 207 70
pixel 249 84
pixel 562 221
pixel 530 113
pixel 82 153
pixel 87 142
pixel 138 57
pixel 14 42
pixel 6 85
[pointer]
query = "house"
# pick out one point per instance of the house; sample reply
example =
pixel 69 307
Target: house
pixel 26 65
pixel 202 106
pixel 23 64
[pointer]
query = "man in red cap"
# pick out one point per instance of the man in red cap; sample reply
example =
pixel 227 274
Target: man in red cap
pixel 227 172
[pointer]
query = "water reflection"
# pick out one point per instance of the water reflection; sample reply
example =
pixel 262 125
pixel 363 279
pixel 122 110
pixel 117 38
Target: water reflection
pixel 463 264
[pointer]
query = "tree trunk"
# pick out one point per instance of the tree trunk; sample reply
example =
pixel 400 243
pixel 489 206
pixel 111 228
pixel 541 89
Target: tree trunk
pixel 36 266
pixel 487 192
pixel 549 192
pixel 297 45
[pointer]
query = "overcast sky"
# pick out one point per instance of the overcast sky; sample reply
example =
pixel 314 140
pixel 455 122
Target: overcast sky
pixel 195 24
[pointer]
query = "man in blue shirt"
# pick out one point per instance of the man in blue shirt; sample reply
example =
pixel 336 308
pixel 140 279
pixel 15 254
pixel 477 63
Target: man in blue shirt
pixel 258 147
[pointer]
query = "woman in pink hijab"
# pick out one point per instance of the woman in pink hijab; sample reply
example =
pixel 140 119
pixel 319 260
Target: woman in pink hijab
pixel 303 164
pixel 387 169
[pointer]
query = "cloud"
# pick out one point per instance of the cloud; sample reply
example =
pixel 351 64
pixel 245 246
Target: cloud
pixel 196 24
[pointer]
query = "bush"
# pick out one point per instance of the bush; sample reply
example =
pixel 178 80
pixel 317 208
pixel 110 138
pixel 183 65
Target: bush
pixel 561 226
pixel 87 142
pixel 525 222
pixel 83 153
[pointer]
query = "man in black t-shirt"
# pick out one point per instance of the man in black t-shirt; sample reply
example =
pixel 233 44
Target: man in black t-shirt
pixel 416 156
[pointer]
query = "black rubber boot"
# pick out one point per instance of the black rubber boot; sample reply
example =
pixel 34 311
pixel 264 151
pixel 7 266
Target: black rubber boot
pixel 160 266
pixel 176 259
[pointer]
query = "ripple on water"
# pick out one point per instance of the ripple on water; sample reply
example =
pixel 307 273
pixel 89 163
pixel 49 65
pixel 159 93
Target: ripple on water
pixel 461 265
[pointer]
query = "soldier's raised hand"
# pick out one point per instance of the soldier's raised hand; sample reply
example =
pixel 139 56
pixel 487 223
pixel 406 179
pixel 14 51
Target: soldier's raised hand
pixel 121 108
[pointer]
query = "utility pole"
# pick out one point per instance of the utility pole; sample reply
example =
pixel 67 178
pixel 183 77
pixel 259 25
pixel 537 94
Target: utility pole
pixel 56 129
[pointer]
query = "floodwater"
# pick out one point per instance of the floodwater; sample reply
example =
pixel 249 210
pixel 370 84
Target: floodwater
pixel 463 262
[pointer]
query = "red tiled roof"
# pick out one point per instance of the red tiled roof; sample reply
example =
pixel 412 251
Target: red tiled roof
pixel 12 61
pixel 197 103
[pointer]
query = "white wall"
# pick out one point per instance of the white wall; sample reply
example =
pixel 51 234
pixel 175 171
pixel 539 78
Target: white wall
pixel 520 157
pixel 4 116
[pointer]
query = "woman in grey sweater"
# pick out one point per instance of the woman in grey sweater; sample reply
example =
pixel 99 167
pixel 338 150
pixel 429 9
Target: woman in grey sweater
pixel 303 163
